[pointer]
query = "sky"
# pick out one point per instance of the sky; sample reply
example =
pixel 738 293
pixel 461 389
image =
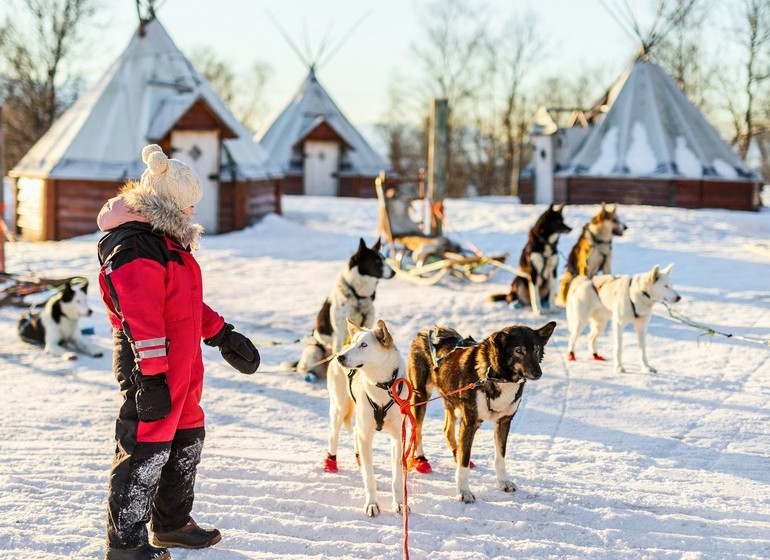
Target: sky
pixel 377 39
pixel 634 466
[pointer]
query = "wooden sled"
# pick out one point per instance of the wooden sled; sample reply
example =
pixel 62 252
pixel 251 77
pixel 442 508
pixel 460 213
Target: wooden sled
pixel 420 258
pixel 14 288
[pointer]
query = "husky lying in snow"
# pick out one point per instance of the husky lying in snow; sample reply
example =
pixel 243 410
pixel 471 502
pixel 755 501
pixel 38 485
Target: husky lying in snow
pixel 539 260
pixel 500 364
pixel 592 253
pixel 352 298
pixel 57 326
pixel 359 383
pixel 625 299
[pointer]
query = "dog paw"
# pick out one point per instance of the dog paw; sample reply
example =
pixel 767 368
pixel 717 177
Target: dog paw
pixel 649 369
pixel 421 465
pixel 69 356
pixel 506 485
pixel 466 496
pixel 97 354
pixel 620 369
pixel 399 507
pixel 372 510
pixel 311 377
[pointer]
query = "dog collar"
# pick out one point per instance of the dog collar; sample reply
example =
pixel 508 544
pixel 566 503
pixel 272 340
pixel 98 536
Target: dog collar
pixel 388 384
pixel 597 241
pixel 355 294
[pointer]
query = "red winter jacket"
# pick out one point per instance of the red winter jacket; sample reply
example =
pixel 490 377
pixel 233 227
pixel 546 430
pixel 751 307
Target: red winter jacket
pixel 152 288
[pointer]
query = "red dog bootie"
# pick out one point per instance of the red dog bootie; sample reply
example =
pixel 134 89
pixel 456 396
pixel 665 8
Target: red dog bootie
pixel 471 464
pixel 421 465
pixel 571 357
pixel 599 358
pixel 330 463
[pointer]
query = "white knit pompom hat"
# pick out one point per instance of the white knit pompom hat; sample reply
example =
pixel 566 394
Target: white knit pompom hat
pixel 170 178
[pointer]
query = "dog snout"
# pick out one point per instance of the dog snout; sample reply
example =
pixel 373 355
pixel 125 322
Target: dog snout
pixel 676 298
pixel 342 359
pixel 534 375
pixel 89 313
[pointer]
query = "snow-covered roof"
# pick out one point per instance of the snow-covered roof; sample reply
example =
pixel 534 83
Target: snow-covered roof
pixel 140 98
pixel 311 106
pixel 653 130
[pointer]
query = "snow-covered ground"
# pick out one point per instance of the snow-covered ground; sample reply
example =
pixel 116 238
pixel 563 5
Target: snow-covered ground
pixel 608 466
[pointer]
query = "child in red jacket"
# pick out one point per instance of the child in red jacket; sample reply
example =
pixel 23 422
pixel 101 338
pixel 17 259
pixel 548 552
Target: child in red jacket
pixel 151 285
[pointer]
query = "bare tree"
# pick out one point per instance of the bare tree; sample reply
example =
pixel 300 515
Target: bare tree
pixel 521 46
pixel 244 93
pixel 453 55
pixel 35 91
pixel 754 37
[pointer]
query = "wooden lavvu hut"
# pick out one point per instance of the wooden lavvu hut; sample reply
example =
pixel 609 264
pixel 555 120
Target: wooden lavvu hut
pixel 651 146
pixel 151 94
pixel 318 151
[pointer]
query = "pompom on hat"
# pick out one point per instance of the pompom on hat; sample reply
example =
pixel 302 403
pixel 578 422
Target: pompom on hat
pixel 171 179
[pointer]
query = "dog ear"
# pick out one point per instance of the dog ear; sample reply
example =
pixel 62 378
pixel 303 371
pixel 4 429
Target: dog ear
pixel 613 208
pixel 559 208
pixel 84 286
pixel 655 273
pixel 377 245
pixel 667 270
pixel 352 328
pixel 546 331
pixel 382 334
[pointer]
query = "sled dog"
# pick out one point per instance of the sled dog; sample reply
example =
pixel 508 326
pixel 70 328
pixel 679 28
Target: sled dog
pixel 57 326
pixel 592 253
pixel 359 383
pixel 539 261
pixel 499 366
pixel 624 299
pixel 352 298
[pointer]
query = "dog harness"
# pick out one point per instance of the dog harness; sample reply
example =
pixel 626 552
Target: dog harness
pixel 379 411
pixel 433 339
pixel 630 281
pixel 633 305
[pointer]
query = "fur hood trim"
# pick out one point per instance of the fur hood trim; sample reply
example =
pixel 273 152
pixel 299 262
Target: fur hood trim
pixel 163 215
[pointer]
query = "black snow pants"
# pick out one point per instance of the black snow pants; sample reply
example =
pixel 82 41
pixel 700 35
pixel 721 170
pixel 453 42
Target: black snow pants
pixel 149 481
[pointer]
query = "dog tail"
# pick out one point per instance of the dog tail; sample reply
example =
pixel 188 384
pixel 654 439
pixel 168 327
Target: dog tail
pixel 289 366
pixel 561 295
pixel 509 297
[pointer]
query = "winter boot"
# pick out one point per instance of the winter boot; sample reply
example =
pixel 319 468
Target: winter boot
pixel 146 552
pixel 189 536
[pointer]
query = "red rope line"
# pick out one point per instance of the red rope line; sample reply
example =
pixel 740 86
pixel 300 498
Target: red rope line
pixel 406 410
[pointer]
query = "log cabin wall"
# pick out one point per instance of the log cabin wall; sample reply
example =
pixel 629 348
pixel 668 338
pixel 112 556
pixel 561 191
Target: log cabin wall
pixel 681 193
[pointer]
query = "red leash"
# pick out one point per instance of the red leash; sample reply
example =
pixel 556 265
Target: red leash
pixel 406 409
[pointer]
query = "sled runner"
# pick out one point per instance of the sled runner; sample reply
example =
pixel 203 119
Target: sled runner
pixel 419 257
pixel 14 288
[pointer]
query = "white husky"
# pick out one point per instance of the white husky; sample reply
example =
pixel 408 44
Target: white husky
pixel 359 382
pixel 625 299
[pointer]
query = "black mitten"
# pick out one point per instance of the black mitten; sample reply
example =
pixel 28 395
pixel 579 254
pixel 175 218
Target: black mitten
pixel 153 400
pixel 235 348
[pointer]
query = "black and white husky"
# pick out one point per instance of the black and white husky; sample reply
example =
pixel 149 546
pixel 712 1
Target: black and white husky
pixel 351 299
pixel 57 326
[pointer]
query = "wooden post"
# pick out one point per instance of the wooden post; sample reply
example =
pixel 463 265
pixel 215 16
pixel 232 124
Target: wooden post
pixel 437 162
pixel 3 226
